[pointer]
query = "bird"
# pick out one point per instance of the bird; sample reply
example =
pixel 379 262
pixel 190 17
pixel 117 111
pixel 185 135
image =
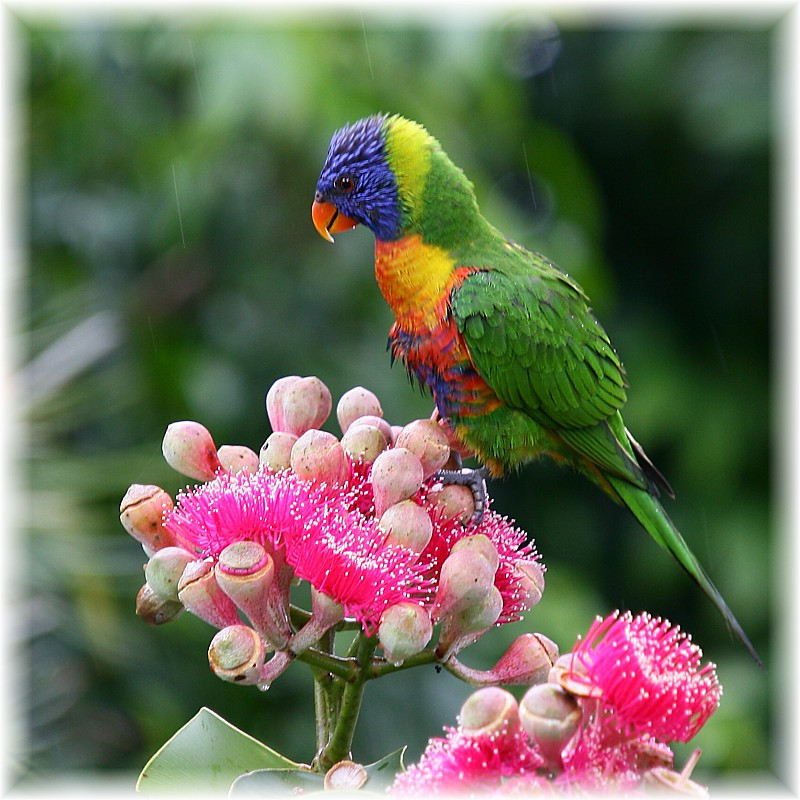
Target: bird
pixel 507 343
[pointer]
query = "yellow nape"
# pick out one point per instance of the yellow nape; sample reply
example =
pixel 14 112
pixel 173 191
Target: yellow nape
pixel 408 148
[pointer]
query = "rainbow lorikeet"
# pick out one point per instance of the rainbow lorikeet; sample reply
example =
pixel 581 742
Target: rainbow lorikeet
pixel 506 342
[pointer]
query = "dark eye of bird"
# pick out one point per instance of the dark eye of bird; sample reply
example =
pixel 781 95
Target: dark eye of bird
pixel 344 183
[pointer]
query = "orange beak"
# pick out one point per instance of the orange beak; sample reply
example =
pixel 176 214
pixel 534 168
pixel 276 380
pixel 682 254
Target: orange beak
pixel 328 220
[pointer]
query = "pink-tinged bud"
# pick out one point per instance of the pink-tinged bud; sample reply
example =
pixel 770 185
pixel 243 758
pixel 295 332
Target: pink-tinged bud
pixel 237 654
pixel 428 442
pixel 246 573
pixel 163 571
pixel 529 578
pixel 354 403
pixel 318 455
pixel 464 581
pixel 346 776
pixel 489 711
pixel 296 405
pixel 466 625
pixel 364 443
pixel 274 401
pixel 481 544
pixel 276 452
pixel 550 716
pixel 237 458
pixel 527 661
pixel 395 433
pixel 404 630
pixel 408 524
pixel 375 422
pixel 200 593
pixel 154 609
pixel 190 450
pixel 325 612
pixel 453 501
pixel 396 475
pixel 142 514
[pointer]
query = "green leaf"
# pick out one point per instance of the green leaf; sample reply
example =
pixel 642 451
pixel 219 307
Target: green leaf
pixel 207 754
pixel 275 782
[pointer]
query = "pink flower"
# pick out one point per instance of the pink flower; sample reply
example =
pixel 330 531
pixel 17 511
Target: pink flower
pixel 463 761
pixel 316 529
pixel 507 539
pixel 647 673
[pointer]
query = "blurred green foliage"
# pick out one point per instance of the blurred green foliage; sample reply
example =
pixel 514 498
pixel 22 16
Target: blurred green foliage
pixel 174 273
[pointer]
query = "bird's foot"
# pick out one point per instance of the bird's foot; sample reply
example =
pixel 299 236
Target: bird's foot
pixel 475 481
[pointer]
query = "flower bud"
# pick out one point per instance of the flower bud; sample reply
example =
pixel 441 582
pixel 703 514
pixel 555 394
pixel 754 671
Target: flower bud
pixel 246 573
pixel 405 628
pixel 364 442
pixel 237 458
pixel 345 776
pixel 276 452
pixel 428 442
pixel 190 450
pixel 155 609
pixel 142 514
pixel 376 422
pixel 296 405
pixel 465 579
pixel 489 711
pixel 481 544
pixel 354 403
pixel 200 593
pixel 408 524
pixel 237 654
pixel 529 577
pixel 163 571
pixel 527 661
pixel 396 475
pixel 274 401
pixel 468 623
pixel 550 717
pixel 453 501
pixel 319 456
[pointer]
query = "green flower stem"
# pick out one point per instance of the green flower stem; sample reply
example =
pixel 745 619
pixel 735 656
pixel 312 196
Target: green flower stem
pixel 380 667
pixel 344 668
pixel 341 741
pixel 326 699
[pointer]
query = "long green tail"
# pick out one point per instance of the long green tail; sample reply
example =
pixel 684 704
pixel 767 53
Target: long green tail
pixel 654 519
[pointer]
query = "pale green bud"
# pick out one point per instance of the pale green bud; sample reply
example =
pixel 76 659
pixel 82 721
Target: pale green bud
pixel 396 475
pixel 364 442
pixel 408 524
pixel 276 452
pixel 550 716
pixel 489 710
pixel 405 628
pixel 163 571
pixel 318 455
pixel 237 458
pixel 237 654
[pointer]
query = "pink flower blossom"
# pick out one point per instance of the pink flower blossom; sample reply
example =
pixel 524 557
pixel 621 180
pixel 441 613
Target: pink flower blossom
pixel 463 761
pixel 647 672
pixel 315 529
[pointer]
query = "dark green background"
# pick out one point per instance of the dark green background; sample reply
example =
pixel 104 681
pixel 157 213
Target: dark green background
pixel 169 167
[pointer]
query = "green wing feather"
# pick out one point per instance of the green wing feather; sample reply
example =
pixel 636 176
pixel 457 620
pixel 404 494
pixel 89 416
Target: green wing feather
pixel 534 340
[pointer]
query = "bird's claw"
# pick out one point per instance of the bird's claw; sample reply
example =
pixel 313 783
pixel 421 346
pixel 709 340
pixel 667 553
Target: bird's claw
pixel 475 481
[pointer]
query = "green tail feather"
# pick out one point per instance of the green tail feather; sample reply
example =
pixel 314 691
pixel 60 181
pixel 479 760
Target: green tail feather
pixel 654 519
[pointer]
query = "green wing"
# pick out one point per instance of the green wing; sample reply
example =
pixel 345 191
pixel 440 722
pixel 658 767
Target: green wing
pixel 534 340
